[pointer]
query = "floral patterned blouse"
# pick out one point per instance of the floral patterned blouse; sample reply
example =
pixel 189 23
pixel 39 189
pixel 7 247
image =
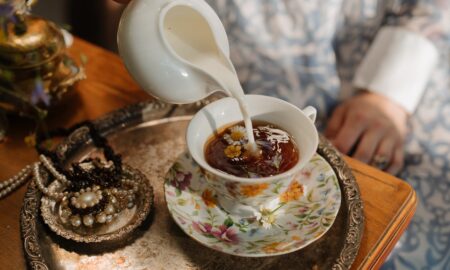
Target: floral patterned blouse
pixel 319 52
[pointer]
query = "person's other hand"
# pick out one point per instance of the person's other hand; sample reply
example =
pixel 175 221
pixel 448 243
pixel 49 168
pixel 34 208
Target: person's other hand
pixel 374 127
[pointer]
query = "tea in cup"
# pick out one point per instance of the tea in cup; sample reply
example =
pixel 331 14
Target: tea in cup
pixel 244 193
pixel 230 151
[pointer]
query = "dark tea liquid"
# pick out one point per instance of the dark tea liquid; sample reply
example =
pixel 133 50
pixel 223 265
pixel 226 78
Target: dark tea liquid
pixel 229 151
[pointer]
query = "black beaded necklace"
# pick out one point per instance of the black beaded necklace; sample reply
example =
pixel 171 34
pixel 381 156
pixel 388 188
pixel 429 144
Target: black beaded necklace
pixel 80 178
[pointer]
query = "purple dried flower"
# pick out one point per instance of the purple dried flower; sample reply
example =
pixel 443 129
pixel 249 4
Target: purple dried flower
pixel 6 10
pixel 39 93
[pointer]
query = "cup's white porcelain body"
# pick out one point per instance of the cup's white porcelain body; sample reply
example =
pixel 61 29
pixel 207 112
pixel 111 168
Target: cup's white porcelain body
pixel 152 61
pixel 244 196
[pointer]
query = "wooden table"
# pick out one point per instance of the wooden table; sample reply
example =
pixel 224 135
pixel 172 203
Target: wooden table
pixel 389 203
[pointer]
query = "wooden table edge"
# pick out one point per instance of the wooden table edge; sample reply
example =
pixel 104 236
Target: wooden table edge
pixel 377 256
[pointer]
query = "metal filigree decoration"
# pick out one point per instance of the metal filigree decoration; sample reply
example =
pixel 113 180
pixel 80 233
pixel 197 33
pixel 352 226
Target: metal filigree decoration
pixel 353 200
pixel 29 217
pixel 35 70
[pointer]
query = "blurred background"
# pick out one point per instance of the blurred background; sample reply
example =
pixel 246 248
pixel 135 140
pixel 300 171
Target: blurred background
pixel 99 23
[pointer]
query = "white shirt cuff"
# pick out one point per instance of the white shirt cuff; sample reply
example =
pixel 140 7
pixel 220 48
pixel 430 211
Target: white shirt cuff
pixel 398 65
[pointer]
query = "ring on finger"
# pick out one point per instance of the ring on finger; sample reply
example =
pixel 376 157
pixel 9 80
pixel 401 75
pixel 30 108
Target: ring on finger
pixel 380 161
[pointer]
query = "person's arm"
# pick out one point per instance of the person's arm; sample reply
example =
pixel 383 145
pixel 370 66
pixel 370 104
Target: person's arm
pixel 394 74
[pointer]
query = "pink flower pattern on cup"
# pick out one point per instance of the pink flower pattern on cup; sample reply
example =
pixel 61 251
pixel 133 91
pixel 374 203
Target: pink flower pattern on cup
pixel 221 232
pixel 310 205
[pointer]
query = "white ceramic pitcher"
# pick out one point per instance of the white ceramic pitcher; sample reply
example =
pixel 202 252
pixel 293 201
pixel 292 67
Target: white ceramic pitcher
pixel 162 43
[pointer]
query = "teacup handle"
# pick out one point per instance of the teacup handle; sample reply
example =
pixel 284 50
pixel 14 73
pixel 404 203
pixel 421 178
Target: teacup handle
pixel 310 112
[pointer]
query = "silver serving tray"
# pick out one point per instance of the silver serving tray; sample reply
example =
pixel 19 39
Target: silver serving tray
pixel 150 136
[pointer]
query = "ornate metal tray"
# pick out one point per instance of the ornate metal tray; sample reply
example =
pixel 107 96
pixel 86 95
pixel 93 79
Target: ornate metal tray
pixel 150 136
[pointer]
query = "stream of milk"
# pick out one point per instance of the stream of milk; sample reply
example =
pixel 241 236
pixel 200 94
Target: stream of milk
pixel 232 86
pixel 191 38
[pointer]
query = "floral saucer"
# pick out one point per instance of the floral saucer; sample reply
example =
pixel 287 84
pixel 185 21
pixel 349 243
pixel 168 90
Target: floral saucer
pixel 285 228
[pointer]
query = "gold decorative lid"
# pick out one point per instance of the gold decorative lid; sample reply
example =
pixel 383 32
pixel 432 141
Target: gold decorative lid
pixel 40 43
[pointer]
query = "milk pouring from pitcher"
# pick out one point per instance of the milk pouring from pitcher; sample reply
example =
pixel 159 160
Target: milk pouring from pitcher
pixel 177 50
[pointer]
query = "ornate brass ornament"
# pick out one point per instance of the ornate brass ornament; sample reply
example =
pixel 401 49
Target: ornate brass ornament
pixel 35 71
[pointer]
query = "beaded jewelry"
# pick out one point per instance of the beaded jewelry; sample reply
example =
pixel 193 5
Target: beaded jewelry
pixel 8 186
pixel 91 192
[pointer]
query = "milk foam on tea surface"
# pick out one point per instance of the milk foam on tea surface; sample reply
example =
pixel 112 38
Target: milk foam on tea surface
pixel 227 151
pixel 195 43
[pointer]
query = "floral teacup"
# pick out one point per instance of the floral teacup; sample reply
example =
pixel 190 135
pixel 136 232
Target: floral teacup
pixel 246 196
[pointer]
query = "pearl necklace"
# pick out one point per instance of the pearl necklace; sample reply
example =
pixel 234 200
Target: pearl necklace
pixel 92 191
pixel 11 184
pixel 8 186
pixel 59 177
pixel 87 206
